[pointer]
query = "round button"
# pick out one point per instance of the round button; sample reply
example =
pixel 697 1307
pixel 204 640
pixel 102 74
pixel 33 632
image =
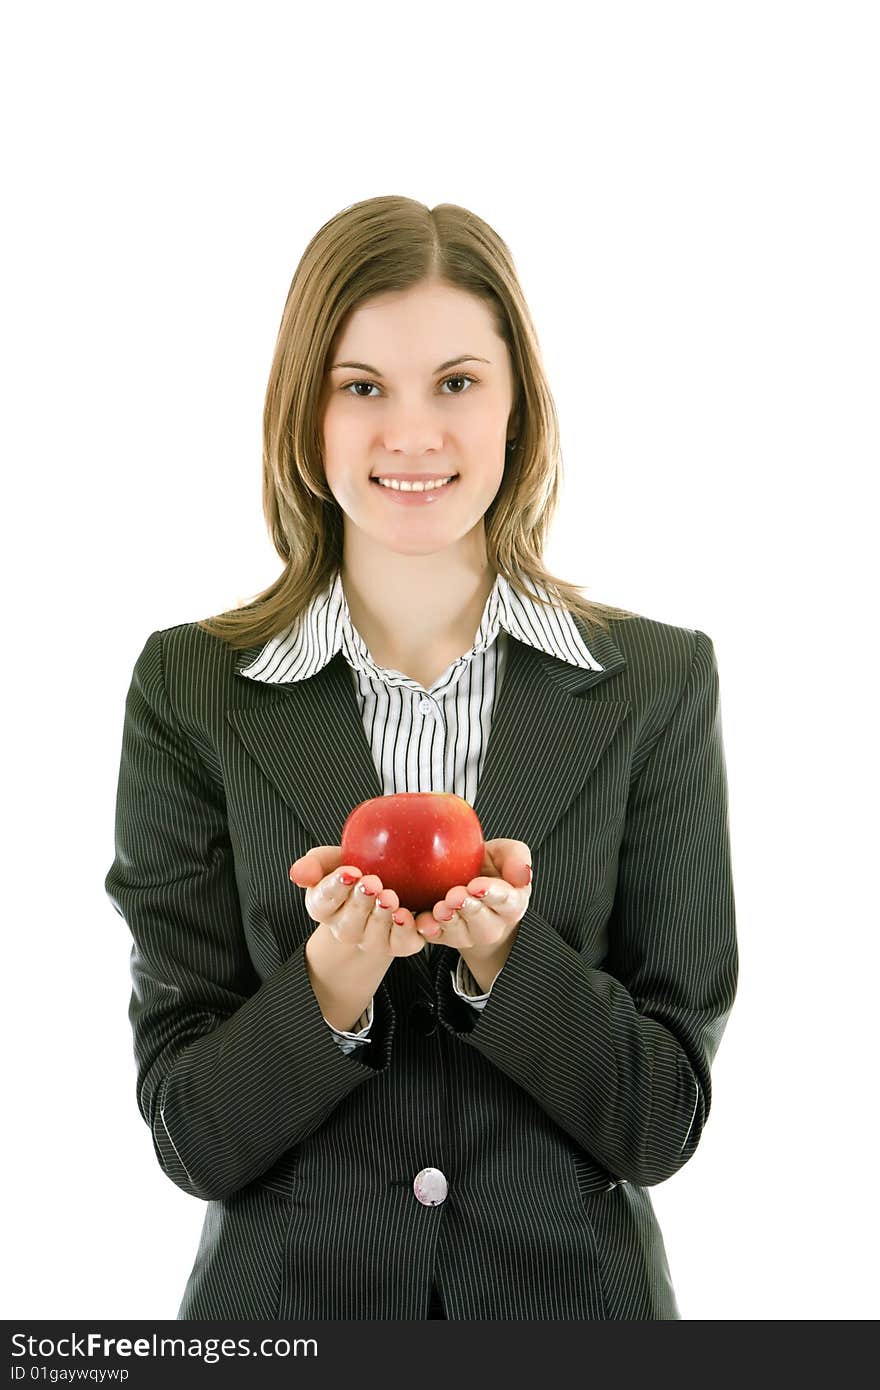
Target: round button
pixel 430 1187
pixel 425 706
pixel 422 1017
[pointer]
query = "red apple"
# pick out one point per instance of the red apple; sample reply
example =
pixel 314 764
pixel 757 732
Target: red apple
pixel 421 844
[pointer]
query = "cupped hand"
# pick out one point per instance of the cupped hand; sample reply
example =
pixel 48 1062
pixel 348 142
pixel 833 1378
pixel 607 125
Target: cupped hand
pixel 360 912
pixel 483 914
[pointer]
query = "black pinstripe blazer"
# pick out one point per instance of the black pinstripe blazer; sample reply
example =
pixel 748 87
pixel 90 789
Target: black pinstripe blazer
pixel 583 1083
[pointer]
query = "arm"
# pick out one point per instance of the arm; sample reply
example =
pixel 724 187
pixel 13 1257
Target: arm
pixel 231 1071
pixel 462 980
pixel 343 978
pixel 620 1057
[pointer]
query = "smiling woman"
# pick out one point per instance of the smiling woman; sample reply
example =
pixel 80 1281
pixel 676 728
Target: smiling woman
pixel 406 348
pixel 305 1066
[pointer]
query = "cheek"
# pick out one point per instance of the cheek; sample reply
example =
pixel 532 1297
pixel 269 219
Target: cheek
pixel 345 489
pixel 492 464
pixel 484 446
pixel 492 488
pixel 345 467
pixel 340 431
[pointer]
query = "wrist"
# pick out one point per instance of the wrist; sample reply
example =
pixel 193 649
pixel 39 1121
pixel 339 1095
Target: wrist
pixel 495 951
pixel 343 978
pixel 486 962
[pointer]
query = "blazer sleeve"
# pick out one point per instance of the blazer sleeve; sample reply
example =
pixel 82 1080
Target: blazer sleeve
pixel 231 1070
pixel 620 1056
pixel 349 1042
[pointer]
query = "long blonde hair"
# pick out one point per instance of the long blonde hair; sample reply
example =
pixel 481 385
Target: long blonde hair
pixel 381 244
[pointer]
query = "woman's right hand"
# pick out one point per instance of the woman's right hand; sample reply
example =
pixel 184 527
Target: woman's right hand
pixel 365 919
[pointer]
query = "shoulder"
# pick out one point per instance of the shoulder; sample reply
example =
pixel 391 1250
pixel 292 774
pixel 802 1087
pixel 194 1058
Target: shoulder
pixel 658 651
pixel 195 667
pixel 662 662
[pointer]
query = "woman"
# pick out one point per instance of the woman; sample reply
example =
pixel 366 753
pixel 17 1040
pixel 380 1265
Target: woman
pixel 458 1113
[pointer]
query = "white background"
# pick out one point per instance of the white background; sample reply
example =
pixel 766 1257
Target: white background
pixel 690 195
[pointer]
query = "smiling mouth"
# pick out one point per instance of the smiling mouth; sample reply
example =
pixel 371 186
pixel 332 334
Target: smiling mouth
pixel 429 485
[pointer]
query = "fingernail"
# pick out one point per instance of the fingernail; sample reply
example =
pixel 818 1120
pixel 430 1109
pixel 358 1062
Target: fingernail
pixel 345 877
pixel 398 917
pixel 529 872
pixel 479 892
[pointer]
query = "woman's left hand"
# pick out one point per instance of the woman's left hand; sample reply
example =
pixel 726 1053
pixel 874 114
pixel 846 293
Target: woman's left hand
pixel 482 915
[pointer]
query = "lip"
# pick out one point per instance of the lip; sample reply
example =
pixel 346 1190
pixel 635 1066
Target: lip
pixel 416 499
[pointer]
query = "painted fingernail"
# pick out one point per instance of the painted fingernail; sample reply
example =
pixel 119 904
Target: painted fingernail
pixel 398 917
pixel 529 871
pixel 479 892
pixel 347 878
pixel 443 918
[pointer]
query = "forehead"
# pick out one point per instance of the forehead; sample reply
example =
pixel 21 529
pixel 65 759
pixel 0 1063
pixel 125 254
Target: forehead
pixel 421 321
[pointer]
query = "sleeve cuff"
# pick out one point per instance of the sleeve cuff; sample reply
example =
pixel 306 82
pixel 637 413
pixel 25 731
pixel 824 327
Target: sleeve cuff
pixel 360 1036
pixel 463 982
pixel 466 986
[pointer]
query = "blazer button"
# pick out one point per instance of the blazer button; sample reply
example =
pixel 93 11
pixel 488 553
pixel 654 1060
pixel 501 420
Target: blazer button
pixel 422 1017
pixel 430 1187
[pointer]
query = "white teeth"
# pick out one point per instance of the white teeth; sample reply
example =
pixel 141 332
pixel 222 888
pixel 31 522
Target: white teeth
pixel 414 487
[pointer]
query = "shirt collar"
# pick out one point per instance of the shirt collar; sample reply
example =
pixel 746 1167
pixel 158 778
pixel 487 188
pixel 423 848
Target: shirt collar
pixel 325 628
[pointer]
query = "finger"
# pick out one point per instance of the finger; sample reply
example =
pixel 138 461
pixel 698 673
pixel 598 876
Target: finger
pixel 431 925
pixel 366 892
pixel 491 892
pixel 378 919
pixel 469 926
pixel 514 859
pixel 356 899
pixel 326 898
pixel 472 909
pixel 483 888
pixel 315 864
pixel 453 919
pixel 462 900
pixel 404 939
pixel 348 906
pixel 475 921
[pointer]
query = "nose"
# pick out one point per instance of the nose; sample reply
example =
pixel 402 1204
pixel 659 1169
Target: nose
pixel 413 436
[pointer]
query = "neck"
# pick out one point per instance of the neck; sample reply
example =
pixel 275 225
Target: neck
pixel 408 608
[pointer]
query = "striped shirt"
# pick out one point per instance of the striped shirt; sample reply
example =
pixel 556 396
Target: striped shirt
pixel 423 740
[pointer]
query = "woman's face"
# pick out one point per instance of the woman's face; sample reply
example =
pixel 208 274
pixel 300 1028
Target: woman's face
pixel 419 411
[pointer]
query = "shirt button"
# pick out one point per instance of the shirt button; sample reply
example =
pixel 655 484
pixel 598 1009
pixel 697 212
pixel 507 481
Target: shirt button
pixel 425 706
pixel 430 1187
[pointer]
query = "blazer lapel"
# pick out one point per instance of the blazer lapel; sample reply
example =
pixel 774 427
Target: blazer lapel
pixel 308 740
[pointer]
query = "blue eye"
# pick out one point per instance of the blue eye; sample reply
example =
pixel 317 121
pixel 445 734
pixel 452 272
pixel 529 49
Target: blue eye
pixel 456 376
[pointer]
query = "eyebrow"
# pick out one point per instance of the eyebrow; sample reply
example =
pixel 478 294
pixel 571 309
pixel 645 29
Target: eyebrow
pixel 453 362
